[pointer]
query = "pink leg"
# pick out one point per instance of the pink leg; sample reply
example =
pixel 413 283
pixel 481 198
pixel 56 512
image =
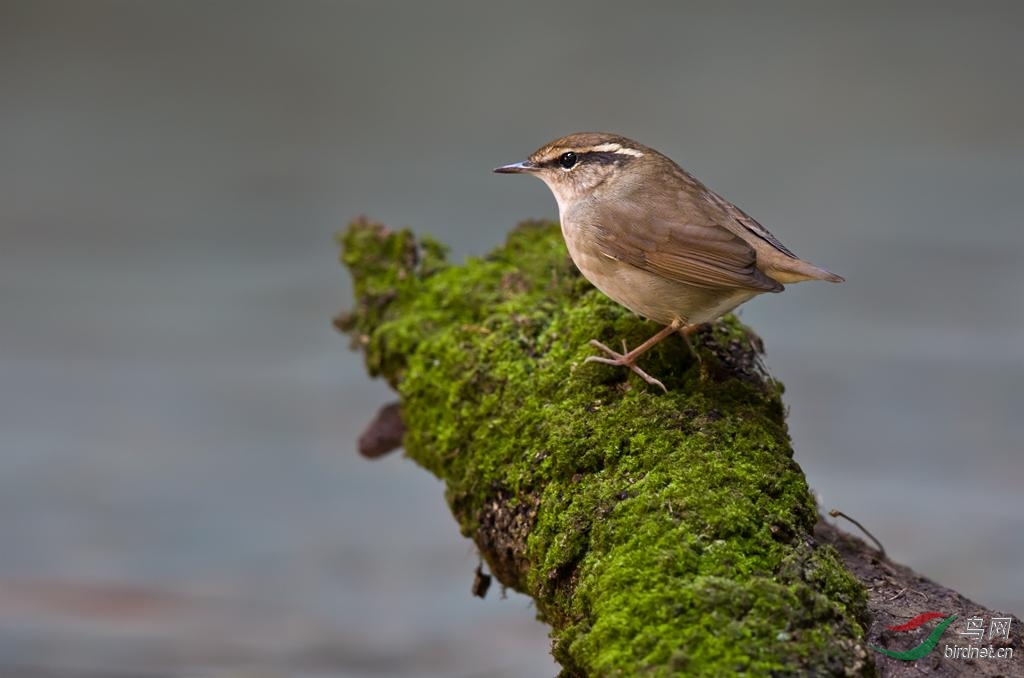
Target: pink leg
pixel 628 358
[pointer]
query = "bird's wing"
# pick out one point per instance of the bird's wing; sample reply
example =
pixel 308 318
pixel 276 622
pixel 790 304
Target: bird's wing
pixel 686 245
pixel 745 220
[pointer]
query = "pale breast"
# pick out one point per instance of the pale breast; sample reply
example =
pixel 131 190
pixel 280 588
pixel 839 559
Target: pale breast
pixel 645 293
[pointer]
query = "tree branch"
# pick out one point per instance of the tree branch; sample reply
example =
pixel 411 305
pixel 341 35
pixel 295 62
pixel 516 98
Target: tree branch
pixel 657 533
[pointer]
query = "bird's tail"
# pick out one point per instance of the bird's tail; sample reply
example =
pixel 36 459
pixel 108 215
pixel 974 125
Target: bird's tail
pixel 798 270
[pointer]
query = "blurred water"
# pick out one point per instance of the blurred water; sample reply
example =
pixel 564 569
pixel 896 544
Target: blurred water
pixel 178 483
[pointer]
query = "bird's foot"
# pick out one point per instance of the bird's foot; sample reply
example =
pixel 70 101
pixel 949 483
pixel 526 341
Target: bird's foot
pixel 624 359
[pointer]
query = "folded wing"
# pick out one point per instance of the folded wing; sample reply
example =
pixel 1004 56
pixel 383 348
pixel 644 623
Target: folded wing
pixel 687 246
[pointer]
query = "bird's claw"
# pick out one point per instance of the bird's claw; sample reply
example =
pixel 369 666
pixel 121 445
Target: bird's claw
pixel 623 359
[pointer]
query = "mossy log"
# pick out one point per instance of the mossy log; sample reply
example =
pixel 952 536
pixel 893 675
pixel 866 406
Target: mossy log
pixel 661 534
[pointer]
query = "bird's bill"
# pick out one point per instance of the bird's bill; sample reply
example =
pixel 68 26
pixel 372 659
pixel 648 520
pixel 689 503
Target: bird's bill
pixel 517 168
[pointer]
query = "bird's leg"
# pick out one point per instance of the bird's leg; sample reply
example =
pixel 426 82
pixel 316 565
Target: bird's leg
pixel 686 330
pixel 685 333
pixel 628 358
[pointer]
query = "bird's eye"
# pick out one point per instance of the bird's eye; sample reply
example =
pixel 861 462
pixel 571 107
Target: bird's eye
pixel 567 160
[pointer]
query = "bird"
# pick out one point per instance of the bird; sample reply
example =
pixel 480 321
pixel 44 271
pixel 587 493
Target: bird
pixel 653 238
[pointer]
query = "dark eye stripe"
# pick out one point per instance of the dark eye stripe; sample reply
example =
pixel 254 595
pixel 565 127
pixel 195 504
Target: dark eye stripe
pixel 599 157
pixel 608 157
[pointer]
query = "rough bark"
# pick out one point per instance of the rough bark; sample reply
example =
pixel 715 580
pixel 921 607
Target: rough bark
pixel 658 533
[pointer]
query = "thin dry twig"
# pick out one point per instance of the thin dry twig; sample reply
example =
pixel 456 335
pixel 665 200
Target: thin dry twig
pixel 836 513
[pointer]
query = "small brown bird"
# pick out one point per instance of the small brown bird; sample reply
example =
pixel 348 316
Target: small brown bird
pixel 655 239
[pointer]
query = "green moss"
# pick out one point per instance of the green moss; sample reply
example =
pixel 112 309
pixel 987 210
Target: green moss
pixel 658 533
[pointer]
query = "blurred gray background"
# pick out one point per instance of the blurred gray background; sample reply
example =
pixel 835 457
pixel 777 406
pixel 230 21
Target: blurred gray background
pixel 179 489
